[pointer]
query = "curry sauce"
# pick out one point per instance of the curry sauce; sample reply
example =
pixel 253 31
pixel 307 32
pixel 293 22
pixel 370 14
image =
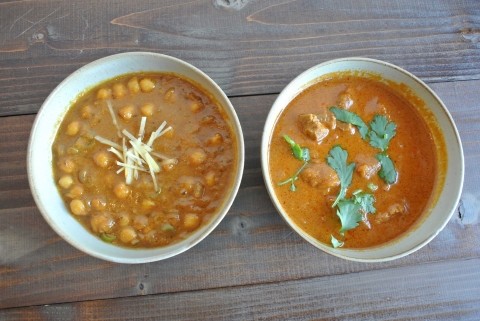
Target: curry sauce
pixel 413 151
pixel 144 160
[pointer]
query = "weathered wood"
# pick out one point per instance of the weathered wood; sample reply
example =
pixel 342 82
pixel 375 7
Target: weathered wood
pixel 437 291
pixel 251 246
pixel 248 47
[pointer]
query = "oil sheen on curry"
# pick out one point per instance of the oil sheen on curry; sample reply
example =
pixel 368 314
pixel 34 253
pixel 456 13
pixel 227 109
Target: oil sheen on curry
pixel 354 162
pixel 144 160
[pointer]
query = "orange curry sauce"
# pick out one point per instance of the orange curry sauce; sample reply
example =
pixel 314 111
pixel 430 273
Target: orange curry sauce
pixel 413 150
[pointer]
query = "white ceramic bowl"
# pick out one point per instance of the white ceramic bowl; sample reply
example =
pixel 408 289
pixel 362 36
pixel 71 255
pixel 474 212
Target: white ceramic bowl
pixel 437 215
pixel 39 156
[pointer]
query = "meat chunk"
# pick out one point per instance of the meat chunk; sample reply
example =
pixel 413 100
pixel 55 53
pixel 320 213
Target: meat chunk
pixel 327 118
pixel 320 175
pixel 311 126
pixel 393 210
pixel 346 127
pixel 345 99
pixel 367 165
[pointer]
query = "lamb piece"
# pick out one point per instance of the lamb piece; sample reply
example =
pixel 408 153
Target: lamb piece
pixel 327 118
pixel 373 106
pixel 346 127
pixel 393 210
pixel 345 99
pixel 311 126
pixel 367 165
pixel 320 175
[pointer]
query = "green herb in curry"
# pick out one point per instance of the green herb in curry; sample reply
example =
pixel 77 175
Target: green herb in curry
pixel 299 153
pixel 337 159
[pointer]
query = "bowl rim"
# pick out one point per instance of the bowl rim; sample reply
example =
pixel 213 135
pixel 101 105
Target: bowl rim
pixel 265 144
pixel 195 237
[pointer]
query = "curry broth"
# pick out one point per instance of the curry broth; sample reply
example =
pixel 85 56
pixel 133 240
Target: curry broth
pixel 196 172
pixel 412 150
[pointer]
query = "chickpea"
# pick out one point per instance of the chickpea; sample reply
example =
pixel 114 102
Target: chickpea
pixel 196 106
pixel 170 96
pixel 198 190
pixel 119 91
pixel 65 181
pixel 128 234
pixel 86 112
pixel 75 192
pixel 127 112
pixel 102 223
pixel 104 93
pixel 210 178
pixel 197 157
pixel 73 128
pixel 123 219
pixel 102 159
pixel 78 207
pixel 147 85
pixel 147 109
pixel 148 204
pixel 215 140
pixel 67 165
pixel 191 221
pixel 140 222
pixel 99 203
pixel 121 190
pixel 133 85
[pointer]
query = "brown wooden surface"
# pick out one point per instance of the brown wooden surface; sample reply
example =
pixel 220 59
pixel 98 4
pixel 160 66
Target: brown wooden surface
pixel 252 266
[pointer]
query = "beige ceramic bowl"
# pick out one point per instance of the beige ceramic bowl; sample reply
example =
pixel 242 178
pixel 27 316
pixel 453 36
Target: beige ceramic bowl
pixel 39 157
pixel 437 215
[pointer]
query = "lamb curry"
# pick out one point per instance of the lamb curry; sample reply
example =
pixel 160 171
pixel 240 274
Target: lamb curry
pixel 354 162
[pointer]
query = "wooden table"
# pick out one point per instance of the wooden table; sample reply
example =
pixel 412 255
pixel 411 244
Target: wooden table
pixel 252 266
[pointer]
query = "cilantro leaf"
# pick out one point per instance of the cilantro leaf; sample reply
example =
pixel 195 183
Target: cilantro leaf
pixel 365 201
pixel 387 172
pixel 351 118
pixel 335 243
pixel 382 131
pixel 337 159
pixel 299 152
pixel 349 214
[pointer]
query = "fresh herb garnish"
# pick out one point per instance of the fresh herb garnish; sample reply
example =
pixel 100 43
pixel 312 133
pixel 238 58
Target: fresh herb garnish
pixel 336 243
pixel 350 211
pixel 293 178
pixel 387 171
pixel 337 159
pixel 365 201
pixel 349 214
pixel 351 118
pixel 382 131
pixel 299 153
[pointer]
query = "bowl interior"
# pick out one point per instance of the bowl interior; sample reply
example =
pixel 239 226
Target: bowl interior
pixel 440 212
pixel 39 157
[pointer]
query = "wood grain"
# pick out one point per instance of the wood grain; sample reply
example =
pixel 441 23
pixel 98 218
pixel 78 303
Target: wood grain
pixel 437 291
pixel 248 47
pixel 251 246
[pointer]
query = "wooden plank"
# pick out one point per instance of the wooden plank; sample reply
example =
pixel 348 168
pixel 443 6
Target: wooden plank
pixel 248 47
pixel 252 245
pixel 438 291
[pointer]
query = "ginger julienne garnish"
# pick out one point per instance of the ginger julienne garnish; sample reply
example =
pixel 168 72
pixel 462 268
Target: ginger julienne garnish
pixel 137 156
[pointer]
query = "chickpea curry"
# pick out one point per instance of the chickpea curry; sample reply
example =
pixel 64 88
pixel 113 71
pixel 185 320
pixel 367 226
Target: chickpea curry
pixel 354 160
pixel 144 160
